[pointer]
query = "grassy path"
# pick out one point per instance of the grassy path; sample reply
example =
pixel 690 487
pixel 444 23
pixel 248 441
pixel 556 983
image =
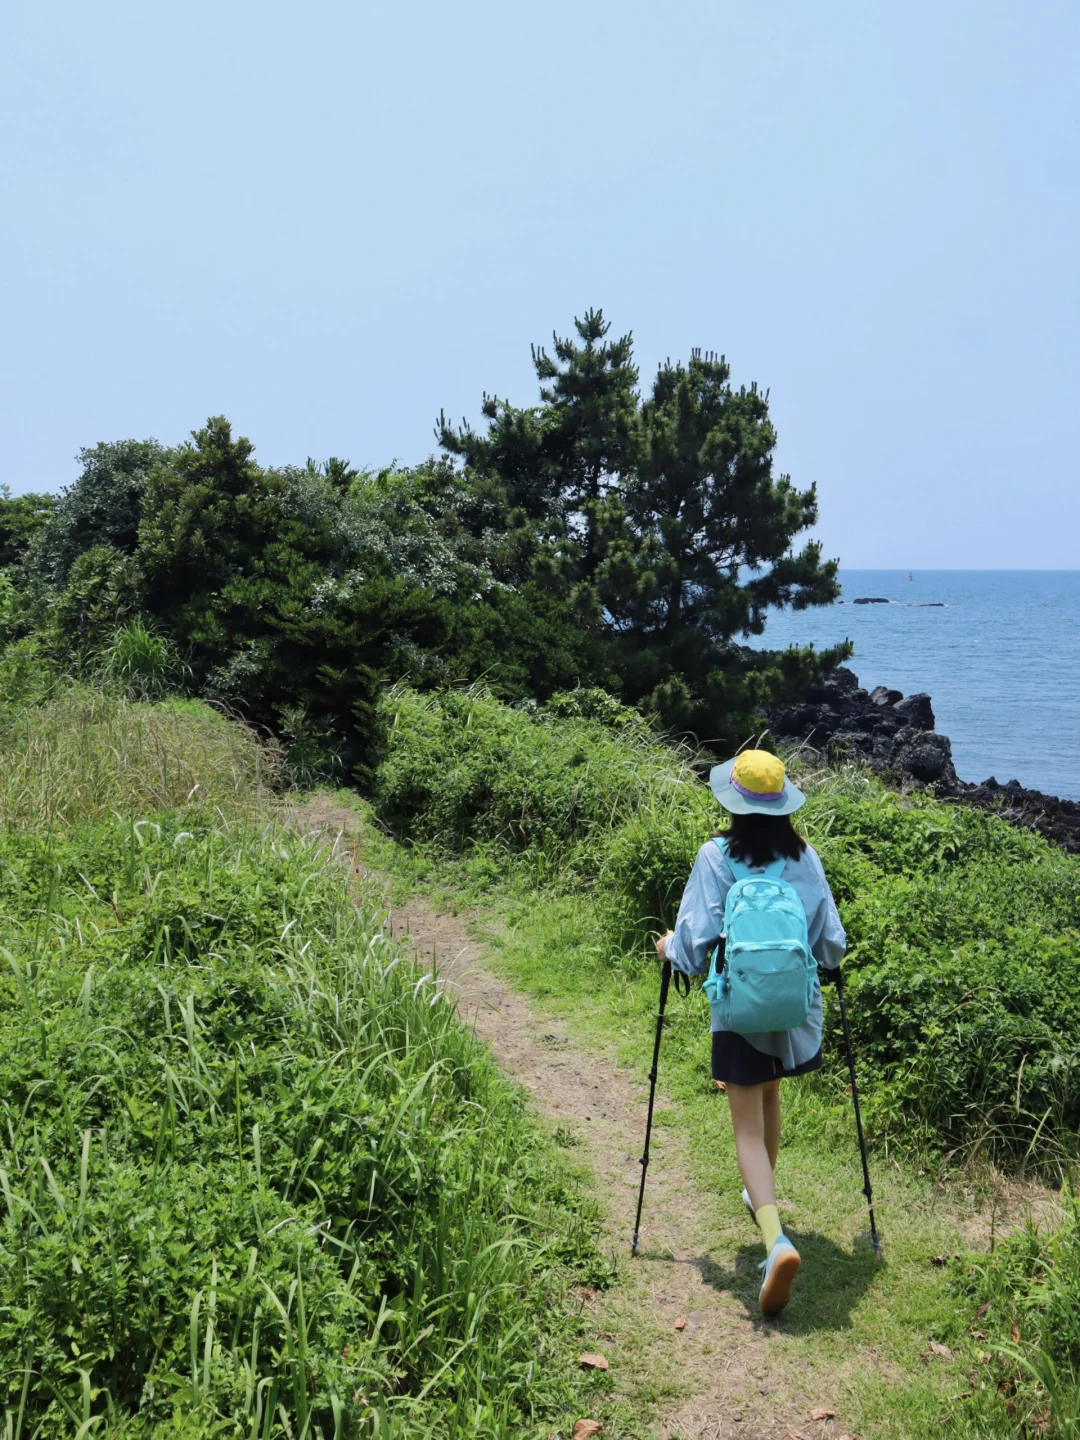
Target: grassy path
pixel 596 1107
pixel 857 1338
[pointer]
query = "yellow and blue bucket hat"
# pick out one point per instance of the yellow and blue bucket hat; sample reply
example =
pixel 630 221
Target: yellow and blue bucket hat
pixel 755 783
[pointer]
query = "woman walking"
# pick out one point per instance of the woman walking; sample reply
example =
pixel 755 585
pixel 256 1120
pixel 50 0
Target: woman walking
pixel 760 799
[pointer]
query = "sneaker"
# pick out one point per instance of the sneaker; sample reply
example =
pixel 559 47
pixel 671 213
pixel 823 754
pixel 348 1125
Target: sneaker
pixel 780 1270
pixel 749 1205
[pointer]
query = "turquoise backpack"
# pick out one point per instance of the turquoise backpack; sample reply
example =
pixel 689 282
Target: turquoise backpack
pixel 767 981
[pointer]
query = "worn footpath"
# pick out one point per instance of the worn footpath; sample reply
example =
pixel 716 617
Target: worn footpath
pixel 682 1349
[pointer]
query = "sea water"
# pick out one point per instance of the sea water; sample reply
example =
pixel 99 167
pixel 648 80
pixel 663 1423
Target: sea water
pixel 997 650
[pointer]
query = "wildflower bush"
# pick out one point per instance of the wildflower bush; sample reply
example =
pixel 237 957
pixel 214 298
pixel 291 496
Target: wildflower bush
pixel 964 954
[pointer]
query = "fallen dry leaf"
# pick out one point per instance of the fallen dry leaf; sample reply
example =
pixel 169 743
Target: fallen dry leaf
pixel 822 1414
pixel 584 1428
pixel 939 1260
pixel 981 1311
pixel 592 1362
pixel 680 1324
pixel 1015 1333
pixel 938 1349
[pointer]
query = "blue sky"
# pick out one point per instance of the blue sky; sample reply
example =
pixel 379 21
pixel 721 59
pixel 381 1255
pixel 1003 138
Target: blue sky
pixel 328 221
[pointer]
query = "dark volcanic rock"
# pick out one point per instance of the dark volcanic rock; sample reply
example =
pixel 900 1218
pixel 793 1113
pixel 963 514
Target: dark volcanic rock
pixel 1058 820
pixel 871 600
pixel 896 736
pixel 887 723
pixel 881 695
pixel 916 710
pixel 924 755
pixel 881 750
pixel 842 684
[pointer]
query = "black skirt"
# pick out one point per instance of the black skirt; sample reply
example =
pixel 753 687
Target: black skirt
pixel 736 1062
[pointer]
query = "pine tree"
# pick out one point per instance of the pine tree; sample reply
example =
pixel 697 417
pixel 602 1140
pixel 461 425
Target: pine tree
pixel 556 462
pixel 665 518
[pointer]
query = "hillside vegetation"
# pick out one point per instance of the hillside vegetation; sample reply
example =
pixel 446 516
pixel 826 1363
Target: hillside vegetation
pixel 964 953
pixel 963 970
pixel 255 1177
pixel 611 534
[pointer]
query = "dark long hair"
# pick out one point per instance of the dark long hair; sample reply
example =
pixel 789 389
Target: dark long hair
pixel 758 840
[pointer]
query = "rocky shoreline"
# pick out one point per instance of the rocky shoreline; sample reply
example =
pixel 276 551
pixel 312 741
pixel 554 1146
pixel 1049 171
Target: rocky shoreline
pixel 895 735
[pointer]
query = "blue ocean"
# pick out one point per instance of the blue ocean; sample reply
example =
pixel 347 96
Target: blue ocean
pixel 997 650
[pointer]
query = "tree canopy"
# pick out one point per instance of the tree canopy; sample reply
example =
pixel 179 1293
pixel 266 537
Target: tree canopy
pixel 600 537
pixel 660 520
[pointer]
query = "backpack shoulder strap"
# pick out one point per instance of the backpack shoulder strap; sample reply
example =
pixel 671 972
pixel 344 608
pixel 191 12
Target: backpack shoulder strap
pixel 776 869
pixel 738 869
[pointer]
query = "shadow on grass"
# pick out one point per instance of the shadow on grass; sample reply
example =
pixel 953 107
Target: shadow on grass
pixel 830 1284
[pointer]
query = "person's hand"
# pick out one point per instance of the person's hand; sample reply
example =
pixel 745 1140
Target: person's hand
pixel 661 945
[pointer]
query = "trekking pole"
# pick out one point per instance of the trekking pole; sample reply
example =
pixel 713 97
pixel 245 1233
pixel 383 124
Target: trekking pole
pixel 867 1191
pixel 665 983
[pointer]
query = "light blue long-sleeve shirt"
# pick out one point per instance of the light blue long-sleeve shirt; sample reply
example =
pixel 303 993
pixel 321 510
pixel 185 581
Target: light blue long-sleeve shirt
pixel 701 921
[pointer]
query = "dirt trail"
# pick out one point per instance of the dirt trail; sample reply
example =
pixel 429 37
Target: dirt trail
pixel 721 1356
pixel 729 1371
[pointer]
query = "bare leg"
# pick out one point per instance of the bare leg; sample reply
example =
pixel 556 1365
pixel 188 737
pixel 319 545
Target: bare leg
pixel 747 1105
pixel 771 1102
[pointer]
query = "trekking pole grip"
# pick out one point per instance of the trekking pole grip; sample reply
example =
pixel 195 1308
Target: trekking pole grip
pixel 665 986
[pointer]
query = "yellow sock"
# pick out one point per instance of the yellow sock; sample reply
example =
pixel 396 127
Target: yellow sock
pixel 768 1219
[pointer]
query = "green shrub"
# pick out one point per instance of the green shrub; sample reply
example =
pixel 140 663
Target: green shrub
pixel 964 953
pixel 256 1178
pixel 142 661
pixel 463 768
pixel 965 1003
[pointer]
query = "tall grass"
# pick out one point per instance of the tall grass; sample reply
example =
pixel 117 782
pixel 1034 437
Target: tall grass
pixel 256 1179
pixel 466 772
pixel 1023 1317
pixel 252 1166
pixel 84 753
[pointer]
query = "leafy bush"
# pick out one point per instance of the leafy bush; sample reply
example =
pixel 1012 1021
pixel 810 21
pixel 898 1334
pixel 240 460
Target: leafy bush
pixel 463 769
pixel 964 956
pixel 250 1167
